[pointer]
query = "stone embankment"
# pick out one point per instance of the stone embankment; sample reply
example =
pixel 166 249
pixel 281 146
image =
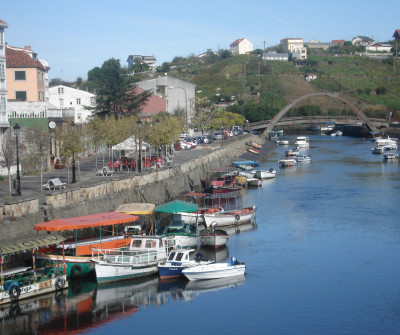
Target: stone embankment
pixel 154 187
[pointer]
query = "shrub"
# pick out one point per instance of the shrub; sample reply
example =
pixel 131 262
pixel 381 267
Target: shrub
pixel 380 90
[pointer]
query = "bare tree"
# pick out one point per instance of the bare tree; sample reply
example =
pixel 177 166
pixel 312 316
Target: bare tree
pixel 8 153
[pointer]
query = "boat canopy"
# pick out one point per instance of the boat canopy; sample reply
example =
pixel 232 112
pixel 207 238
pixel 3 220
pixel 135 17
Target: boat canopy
pixel 177 206
pixel 87 221
pixel 136 208
pixel 246 162
pixel 28 242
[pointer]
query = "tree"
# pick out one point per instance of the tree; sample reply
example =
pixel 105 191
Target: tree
pixel 115 90
pixel 139 66
pixel 380 90
pixel 204 114
pixel 8 153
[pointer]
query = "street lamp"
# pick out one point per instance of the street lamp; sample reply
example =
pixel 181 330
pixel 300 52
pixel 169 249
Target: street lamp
pixel 186 111
pixel 158 145
pixel 17 130
pixel 73 156
pixel 139 125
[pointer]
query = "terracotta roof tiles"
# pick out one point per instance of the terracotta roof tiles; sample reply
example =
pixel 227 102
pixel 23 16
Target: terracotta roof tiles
pixel 20 59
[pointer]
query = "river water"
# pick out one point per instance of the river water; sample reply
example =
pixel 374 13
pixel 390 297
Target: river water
pixel 323 258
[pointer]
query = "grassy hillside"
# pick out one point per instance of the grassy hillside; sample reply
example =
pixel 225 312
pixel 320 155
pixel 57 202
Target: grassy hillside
pixel 263 88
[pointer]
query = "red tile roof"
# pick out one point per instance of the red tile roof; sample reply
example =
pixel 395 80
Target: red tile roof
pixel 2 23
pixel 154 104
pixel 396 34
pixel 237 41
pixel 20 59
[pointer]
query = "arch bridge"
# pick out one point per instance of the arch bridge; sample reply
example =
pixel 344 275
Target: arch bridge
pixel 278 118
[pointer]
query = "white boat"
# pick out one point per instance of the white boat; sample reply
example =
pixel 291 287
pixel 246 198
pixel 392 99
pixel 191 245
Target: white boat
pixel 286 162
pixel 138 260
pixel 303 158
pixel 385 141
pixel 282 142
pixel 178 260
pixel 265 174
pixel 381 149
pixel 215 238
pixel 390 155
pixel 302 142
pixel 247 173
pixel 215 270
pixel 337 133
pixel 254 182
pixel 230 218
pixel 196 217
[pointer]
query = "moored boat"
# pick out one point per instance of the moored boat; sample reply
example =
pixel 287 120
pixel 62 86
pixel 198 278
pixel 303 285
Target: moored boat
pixel 214 238
pixel 390 155
pixel 287 162
pixel 215 270
pixel 291 153
pixel 302 142
pixel 257 182
pixel 265 174
pixel 138 260
pixel 253 150
pixel 179 259
pixel 78 251
pixel 246 164
pixel 229 218
pixel 302 158
pixel 23 282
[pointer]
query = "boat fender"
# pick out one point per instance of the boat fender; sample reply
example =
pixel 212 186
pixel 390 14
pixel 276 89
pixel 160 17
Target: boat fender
pixel 76 271
pixel 60 283
pixel 15 310
pixel 237 217
pixel 233 260
pixel 14 292
pixel 198 257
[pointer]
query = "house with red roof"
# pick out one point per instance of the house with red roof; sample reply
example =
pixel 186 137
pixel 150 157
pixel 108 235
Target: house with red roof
pixel 241 46
pixel 26 75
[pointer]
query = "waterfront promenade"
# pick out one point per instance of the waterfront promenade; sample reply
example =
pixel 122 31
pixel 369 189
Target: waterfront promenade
pixel 86 170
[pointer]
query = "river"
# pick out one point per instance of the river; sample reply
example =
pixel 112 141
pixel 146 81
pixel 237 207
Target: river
pixel 323 258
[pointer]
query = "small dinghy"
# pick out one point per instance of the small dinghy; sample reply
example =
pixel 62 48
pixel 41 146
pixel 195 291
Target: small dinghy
pixel 215 270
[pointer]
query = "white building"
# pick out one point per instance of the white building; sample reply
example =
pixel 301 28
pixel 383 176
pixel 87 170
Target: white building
pixel 178 93
pixel 378 47
pixel 295 46
pixel 241 46
pixel 149 60
pixel 280 56
pixel 3 80
pixel 66 97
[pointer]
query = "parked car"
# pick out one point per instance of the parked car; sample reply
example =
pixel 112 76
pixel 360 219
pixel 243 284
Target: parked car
pixel 207 139
pixel 199 140
pixel 218 135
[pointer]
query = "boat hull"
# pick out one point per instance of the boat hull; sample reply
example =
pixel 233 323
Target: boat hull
pixel 287 162
pixel 214 271
pixel 213 239
pixel 106 272
pixel 231 218
pixel 265 174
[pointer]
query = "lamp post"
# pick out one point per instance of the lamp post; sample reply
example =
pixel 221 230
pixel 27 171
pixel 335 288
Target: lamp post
pixel 158 145
pixel 186 111
pixel 73 156
pixel 17 130
pixel 139 125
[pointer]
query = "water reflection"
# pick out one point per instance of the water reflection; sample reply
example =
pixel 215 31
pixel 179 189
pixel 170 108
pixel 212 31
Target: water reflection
pixel 87 305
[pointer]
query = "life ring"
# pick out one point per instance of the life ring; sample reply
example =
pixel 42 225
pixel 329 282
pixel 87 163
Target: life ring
pixel 237 217
pixel 14 292
pixel 60 283
pixel 76 271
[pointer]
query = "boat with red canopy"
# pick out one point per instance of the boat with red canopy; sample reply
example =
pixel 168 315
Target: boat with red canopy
pixel 78 249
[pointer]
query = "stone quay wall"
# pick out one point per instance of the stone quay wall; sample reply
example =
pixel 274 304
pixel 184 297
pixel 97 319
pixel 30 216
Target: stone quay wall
pixel 154 187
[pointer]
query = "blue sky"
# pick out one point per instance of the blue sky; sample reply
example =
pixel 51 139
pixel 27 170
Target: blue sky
pixel 78 35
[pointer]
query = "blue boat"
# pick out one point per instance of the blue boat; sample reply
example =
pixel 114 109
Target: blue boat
pixel 246 164
pixel 178 259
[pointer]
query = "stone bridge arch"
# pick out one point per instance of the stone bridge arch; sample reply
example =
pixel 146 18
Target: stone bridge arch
pixel 336 96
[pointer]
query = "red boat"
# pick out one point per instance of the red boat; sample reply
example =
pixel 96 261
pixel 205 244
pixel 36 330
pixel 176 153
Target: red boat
pixel 254 151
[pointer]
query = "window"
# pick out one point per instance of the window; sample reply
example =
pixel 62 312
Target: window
pixel 19 75
pixel 61 90
pixel 20 95
pixel 92 101
pixel 78 101
pixel 1 39
pixel 2 72
pixel 3 104
pixel 78 116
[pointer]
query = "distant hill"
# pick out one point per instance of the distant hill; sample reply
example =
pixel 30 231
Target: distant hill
pixel 259 89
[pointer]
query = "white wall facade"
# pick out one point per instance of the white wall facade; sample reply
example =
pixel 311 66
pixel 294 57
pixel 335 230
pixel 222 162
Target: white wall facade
pixel 66 97
pixel 3 78
pixel 178 93
pixel 241 47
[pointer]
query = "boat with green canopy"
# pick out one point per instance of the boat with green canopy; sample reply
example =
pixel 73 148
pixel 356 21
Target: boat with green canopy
pixel 185 234
pixel 78 250
pixel 20 282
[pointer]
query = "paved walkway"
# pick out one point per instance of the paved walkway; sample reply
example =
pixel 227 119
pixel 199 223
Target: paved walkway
pixel 86 172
